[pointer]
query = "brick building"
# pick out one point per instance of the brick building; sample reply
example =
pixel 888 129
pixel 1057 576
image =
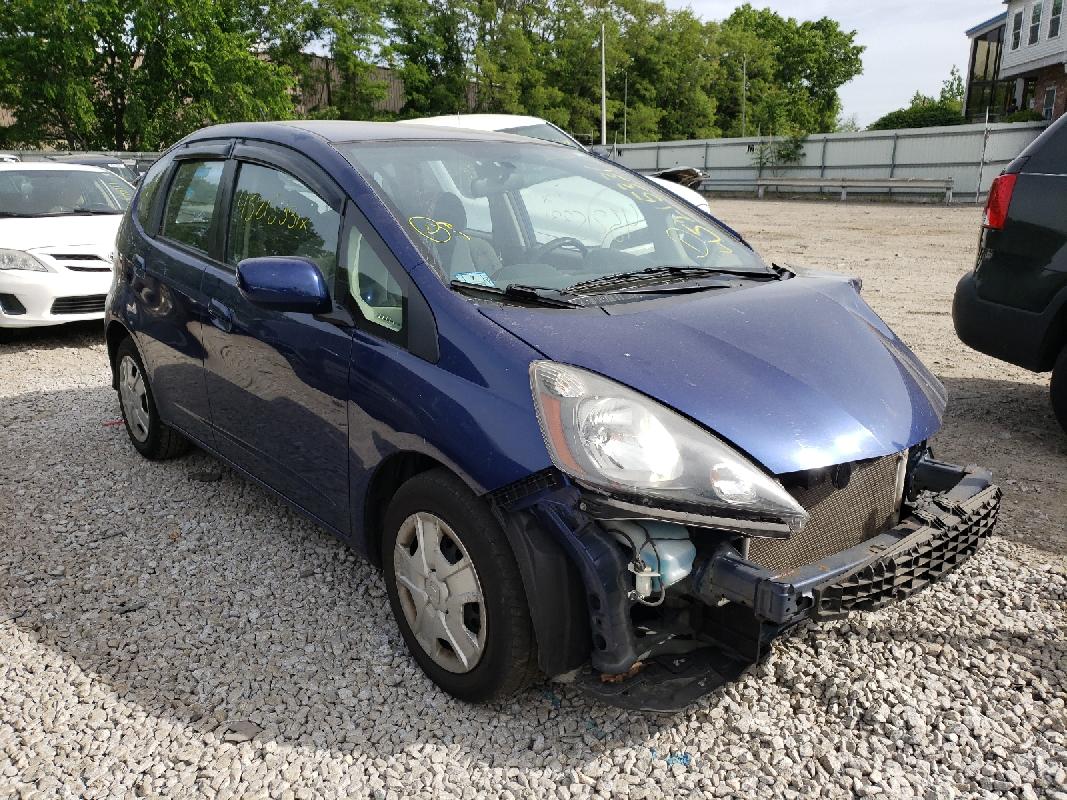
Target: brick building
pixel 1019 61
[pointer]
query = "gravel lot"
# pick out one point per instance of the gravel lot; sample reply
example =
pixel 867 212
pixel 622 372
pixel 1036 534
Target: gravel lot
pixel 166 635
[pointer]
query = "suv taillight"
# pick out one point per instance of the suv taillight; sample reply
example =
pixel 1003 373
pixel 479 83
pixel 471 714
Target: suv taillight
pixel 996 207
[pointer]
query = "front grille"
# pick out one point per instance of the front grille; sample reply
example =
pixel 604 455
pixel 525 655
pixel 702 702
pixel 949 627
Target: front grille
pixel 89 304
pixel 102 268
pixel 10 304
pixel 902 574
pixel 838 518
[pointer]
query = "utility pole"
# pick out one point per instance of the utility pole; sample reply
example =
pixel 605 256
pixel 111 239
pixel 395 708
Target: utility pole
pixel 603 90
pixel 744 95
pixel 625 100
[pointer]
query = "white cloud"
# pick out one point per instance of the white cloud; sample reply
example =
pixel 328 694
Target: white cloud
pixel 911 44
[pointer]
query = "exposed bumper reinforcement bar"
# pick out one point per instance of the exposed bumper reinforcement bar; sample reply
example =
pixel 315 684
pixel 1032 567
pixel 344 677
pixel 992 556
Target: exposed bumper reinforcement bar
pixel 945 528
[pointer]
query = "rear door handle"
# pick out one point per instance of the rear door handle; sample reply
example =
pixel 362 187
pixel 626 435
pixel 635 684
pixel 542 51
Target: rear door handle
pixel 221 316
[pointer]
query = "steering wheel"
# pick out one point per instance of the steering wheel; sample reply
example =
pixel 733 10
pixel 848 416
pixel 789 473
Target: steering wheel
pixel 542 250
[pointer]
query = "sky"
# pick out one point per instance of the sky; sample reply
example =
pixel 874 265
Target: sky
pixel 911 44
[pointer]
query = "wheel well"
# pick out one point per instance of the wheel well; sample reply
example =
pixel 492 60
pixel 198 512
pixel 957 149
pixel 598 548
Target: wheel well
pixel 390 476
pixel 114 335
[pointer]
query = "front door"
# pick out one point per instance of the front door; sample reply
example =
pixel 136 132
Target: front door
pixel 278 381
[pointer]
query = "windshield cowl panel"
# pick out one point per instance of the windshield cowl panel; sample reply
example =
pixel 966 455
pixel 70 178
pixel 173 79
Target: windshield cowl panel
pixel 495 214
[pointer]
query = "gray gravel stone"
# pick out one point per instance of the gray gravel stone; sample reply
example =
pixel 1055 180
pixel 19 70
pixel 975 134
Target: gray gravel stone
pixel 166 635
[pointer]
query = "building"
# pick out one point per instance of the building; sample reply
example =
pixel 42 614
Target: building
pixel 986 92
pixel 1019 62
pixel 1035 55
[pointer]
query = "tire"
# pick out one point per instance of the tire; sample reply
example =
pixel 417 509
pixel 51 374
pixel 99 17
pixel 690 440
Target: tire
pixel 151 437
pixel 1058 389
pixel 466 533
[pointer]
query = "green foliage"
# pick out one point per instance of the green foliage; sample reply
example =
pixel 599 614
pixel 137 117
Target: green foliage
pixel 925 111
pixel 138 74
pixel 132 74
pixel 774 154
pixel 794 71
pixel 1024 115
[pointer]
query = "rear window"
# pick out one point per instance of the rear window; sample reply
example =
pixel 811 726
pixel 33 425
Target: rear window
pixel 549 133
pixel 1046 155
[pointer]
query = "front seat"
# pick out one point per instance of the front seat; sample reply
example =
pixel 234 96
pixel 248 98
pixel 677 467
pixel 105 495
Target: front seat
pixel 462 252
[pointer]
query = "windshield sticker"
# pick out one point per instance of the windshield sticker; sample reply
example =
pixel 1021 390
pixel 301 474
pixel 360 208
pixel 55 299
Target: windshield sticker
pixel 474 278
pixel 437 231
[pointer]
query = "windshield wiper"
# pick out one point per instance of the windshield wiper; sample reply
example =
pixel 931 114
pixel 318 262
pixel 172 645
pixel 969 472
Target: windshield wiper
pixel 517 291
pixel 652 274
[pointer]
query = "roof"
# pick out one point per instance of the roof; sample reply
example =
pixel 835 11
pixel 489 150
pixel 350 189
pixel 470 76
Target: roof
pixel 344 131
pixel 480 122
pixel 54 166
pixel 992 22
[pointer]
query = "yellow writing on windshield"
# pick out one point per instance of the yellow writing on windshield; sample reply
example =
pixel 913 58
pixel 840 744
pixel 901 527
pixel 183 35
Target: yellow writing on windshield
pixel 698 239
pixel 437 231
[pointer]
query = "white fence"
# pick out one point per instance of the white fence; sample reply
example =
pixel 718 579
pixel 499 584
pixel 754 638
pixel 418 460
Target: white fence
pixel 972 155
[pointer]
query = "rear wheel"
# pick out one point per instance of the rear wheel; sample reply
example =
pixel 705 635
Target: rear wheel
pixel 148 433
pixel 455 590
pixel 1059 389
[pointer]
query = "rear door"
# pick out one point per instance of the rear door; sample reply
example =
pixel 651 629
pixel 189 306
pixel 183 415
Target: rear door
pixel 277 382
pixel 177 211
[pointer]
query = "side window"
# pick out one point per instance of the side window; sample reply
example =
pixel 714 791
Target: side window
pixel 371 285
pixel 274 214
pixel 146 197
pixel 191 203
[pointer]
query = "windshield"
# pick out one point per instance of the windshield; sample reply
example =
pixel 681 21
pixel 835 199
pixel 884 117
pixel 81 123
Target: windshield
pixel 58 192
pixel 498 213
pixel 550 133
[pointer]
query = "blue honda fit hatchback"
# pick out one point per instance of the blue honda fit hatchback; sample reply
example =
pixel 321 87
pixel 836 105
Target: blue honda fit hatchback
pixel 584 429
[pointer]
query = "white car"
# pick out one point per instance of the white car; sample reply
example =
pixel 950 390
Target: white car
pixel 57 241
pixel 538 128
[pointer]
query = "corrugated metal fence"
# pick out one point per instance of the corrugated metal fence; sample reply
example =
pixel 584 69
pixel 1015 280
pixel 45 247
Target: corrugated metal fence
pixel 972 155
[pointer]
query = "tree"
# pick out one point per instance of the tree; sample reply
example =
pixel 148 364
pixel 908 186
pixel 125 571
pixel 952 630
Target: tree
pixel 794 71
pixel 925 111
pixel 133 74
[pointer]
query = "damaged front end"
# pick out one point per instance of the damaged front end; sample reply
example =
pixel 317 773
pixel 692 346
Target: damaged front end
pixel 679 603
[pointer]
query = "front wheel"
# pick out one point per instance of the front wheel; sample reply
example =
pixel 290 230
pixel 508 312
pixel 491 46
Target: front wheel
pixel 151 437
pixel 455 590
pixel 1058 389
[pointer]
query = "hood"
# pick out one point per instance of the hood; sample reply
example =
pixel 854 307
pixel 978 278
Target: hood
pixel 799 374
pixel 32 233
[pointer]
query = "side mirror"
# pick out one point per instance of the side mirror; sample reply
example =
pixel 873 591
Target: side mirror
pixel 600 151
pixel 284 283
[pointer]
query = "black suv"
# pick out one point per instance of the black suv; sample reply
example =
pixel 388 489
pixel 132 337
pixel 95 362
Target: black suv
pixel 1014 305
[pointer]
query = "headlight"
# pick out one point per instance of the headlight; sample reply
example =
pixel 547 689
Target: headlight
pixel 16 259
pixel 609 437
